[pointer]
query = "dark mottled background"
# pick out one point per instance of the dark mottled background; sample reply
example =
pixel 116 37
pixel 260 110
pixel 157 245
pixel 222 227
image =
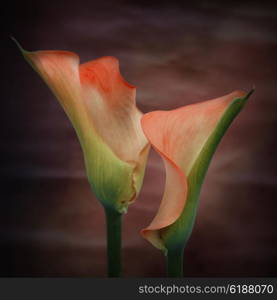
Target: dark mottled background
pixel 176 54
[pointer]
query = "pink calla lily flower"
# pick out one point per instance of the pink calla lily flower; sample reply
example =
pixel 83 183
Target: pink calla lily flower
pixel 186 139
pixel 102 109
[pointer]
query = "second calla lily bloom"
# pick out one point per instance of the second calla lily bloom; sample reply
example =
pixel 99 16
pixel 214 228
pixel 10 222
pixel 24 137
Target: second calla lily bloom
pixel 186 139
pixel 101 107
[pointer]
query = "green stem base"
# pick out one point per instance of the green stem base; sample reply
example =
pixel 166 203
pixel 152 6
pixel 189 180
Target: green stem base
pixel 113 223
pixel 175 262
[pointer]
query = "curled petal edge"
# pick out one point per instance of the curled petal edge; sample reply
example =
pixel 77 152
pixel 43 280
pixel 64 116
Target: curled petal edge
pixel 167 215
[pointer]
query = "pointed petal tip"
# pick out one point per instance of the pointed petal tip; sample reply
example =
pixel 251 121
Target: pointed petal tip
pixel 250 92
pixel 22 50
pixel 241 93
pixel 27 53
pixel 241 97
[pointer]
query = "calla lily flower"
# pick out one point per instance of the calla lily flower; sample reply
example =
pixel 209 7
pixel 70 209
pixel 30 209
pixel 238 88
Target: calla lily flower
pixel 186 139
pixel 102 109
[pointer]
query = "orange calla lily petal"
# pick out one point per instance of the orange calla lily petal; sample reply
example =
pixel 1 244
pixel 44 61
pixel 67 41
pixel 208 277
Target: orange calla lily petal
pixel 181 137
pixel 113 106
pixel 101 106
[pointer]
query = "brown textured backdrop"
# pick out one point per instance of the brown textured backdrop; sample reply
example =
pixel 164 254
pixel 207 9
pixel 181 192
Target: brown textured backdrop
pixel 51 224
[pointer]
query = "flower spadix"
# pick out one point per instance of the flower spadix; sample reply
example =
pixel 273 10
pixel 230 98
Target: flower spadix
pixel 186 139
pixel 101 106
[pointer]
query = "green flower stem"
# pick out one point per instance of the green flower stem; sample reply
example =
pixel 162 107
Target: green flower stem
pixel 113 223
pixel 175 262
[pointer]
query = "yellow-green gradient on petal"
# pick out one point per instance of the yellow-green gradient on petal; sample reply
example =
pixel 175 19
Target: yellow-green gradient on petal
pixel 186 139
pixel 101 106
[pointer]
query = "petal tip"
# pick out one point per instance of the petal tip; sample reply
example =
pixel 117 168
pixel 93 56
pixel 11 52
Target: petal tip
pixel 22 50
pixel 250 92
pixel 241 97
pixel 241 93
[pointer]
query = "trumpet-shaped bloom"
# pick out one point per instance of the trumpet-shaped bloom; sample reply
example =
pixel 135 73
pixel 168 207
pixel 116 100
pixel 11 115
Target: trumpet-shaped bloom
pixel 101 106
pixel 186 139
